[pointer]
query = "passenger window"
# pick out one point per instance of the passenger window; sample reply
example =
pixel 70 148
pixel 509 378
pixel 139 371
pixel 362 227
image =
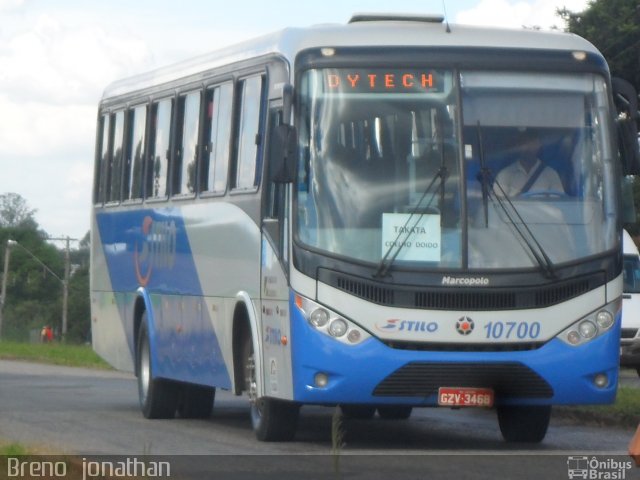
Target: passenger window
pixel 135 152
pixel 158 168
pixel 115 167
pixel 248 160
pixel 102 161
pixel 215 164
pixel 186 153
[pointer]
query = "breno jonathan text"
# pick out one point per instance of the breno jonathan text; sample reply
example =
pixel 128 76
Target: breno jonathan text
pixel 126 468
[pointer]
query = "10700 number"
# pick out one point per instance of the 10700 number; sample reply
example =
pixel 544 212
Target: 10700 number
pixel 509 330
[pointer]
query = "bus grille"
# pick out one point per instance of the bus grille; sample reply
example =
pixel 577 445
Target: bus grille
pixel 462 347
pixel 629 333
pixel 508 380
pixel 469 299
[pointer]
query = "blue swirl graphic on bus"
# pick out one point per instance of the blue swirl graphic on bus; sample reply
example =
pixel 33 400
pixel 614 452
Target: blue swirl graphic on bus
pixel 158 248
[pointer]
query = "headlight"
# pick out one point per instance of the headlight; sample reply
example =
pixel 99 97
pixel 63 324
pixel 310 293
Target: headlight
pixel 330 323
pixel 587 329
pixel 592 326
pixel 338 327
pixel 319 317
pixel 604 319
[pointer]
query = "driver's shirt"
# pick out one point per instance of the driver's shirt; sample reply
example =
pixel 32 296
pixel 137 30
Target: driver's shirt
pixel 514 177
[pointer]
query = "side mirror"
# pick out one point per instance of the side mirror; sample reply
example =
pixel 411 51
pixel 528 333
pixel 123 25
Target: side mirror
pixel 283 148
pixel 626 101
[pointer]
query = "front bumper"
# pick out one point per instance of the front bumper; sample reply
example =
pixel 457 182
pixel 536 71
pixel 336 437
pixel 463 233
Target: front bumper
pixel 375 373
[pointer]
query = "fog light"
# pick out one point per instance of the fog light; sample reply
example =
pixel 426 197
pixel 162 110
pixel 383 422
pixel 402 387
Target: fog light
pixel 573 337
pixel 587 329
pixel 338 327
pixel 321 380
pixel 354 336
pixel 319 317
pixel 601 380
pixel 604 319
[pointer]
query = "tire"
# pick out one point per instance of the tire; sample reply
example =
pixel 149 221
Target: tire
pixel 358 412
pixel 272 420
pixel 196 401
pixel 395 412
pixel 158 397
pixel 524 423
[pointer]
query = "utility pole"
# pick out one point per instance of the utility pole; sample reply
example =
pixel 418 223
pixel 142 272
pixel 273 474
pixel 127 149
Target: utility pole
pixel 65 288
pixel 65 282
pixel 5 275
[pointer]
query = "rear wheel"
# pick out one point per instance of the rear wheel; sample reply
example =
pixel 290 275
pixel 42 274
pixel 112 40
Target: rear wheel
pixel 158 397
pixel 272 420
pixel 358 412
pixel 196 401
pixel 524 423
pixel 394 412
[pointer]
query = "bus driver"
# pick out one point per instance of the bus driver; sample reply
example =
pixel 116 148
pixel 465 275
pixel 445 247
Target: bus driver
pixel 528 173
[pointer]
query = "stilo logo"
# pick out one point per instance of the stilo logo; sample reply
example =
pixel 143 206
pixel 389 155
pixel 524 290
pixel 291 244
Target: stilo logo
pixel 158 248
pixel 465 326
pixel 397 325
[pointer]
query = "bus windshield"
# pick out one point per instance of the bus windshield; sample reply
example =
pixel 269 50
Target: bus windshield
pixel 393 168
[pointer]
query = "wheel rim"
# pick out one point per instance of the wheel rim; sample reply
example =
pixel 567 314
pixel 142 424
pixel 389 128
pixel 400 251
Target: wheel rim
pixel 252 390
pixel 144 375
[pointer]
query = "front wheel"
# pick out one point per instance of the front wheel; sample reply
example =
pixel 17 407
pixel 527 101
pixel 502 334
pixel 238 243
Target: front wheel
pixel 272 420
pixel 524 423
pixel 158 397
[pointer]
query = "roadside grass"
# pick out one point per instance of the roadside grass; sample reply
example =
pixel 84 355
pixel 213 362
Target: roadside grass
pixel 624 412
pixel 13 450
pixel 52 353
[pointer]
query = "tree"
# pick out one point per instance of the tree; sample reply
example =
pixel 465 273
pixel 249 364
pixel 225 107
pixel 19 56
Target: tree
pixel 613 26
pixel 34 294
pixel 15 212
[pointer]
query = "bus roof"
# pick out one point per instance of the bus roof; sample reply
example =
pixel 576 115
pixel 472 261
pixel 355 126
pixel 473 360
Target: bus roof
pixel 374 33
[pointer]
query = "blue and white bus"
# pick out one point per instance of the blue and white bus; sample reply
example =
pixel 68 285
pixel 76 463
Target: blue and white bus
pixel 341 215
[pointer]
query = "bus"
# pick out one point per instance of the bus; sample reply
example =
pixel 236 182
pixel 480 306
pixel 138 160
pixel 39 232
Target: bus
pixel 630 333
pixel 320 217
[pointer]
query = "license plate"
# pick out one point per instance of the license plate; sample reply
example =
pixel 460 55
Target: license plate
pixel 465 397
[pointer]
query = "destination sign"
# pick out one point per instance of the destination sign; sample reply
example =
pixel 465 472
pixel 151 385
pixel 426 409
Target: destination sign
pixel 346 80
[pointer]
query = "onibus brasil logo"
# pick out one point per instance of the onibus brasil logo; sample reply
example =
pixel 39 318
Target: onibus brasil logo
pixel 594 468
pixel 157 250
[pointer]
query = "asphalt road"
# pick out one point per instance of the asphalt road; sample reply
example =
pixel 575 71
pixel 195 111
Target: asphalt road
pixel 88 412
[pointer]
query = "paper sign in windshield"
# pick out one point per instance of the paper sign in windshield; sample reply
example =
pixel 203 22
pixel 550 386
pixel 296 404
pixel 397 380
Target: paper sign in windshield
pixel 418 237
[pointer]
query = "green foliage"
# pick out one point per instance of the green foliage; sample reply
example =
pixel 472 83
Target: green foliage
pixel 34 281
pixel 14 211
pixel 625 411
pixel 613 26
pixel 13 450
pixel 53 353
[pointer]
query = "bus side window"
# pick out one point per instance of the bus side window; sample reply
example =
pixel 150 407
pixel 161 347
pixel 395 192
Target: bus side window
pixel 184 169
pixel 114 188
pixel 135 152
pixel 158 162
pixel 248 158
pixel 102 157
pixel 215 162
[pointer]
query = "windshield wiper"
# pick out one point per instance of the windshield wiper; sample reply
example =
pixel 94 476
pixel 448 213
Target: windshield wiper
pixel 390 255
pixel 532 243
